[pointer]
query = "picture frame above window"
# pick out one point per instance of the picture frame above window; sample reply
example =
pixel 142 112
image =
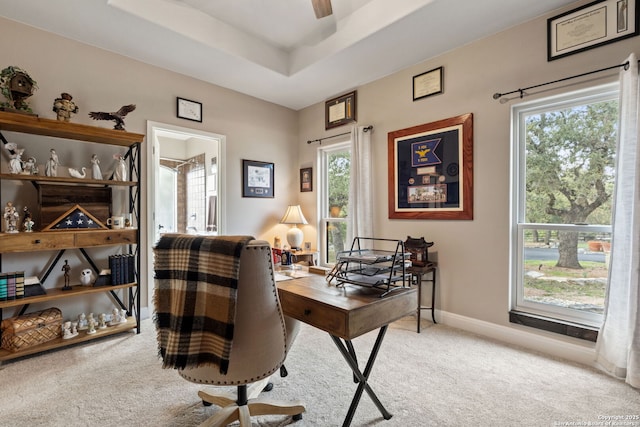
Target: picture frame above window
pixel 589 26
pixel 189 110
pixel 306 179
pixel 257 179
pixel 340 110
pixel 431 170
pixel 428 83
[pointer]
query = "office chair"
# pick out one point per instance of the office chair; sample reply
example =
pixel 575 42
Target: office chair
pixel 262 335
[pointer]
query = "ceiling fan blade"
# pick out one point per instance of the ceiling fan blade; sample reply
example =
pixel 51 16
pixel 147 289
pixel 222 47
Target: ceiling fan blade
pixel 322 8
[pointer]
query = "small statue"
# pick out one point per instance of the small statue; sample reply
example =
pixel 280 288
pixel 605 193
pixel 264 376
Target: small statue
pixel 115 316
pixel 30 166
pixel 82 322
pixel 86 277
pixel 96 173
pixel 75 173
pixel 120 173
pixel 123 316
pixel 102 321
pixel 15 164
pixel 66 268
pixel 64 106
pixel 51 168
pixel 66 330
pixel 117 116
pixel 27 222
pixel 11 218
pixel 92 326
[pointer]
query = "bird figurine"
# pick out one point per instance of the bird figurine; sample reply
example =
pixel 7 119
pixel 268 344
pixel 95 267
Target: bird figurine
pixel 117 116
pixel 77 174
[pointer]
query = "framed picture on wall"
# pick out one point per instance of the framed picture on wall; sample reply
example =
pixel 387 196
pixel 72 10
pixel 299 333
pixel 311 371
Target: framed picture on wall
pixel 340 110
pixel 431 170
pixel 190 110
pixel 257 179
pixel 306 179
pixel 594 24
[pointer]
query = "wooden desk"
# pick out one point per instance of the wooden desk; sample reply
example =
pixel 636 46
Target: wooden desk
pixel 346 313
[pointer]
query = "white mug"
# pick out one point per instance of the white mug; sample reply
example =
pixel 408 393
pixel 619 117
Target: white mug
pixel 116 222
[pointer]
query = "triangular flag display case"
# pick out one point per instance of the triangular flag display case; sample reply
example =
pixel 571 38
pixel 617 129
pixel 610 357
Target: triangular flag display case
pixel 70 225
pixel 75 218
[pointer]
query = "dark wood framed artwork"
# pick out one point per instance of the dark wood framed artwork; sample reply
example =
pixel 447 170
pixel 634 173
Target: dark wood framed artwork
pixel 257 179
pixel 340 110
pixel 594 24
pixel 306 179
pixel 431 170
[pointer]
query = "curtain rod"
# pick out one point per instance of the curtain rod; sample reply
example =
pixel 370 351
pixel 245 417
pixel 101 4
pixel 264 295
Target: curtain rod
pixel 498 95
pixel 366 129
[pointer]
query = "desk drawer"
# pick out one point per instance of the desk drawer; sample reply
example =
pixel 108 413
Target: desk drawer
pixel 106 237
pixel 20 242
pixel 322 316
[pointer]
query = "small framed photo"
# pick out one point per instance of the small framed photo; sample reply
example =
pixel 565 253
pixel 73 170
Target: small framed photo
pixel 428 83
pixel 257 179
pixel 340 110
pixel 306 179
pixel 591 25
pixel 189 110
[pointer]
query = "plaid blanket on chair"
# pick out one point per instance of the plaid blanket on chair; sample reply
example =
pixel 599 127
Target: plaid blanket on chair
pixel 196 281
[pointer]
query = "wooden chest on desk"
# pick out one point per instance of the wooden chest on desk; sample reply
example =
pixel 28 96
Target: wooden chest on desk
pixel 345 312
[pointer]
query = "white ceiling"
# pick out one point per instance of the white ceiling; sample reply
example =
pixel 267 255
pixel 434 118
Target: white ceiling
pixel 277 50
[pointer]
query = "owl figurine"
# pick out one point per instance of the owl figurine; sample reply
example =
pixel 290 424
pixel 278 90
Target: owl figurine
pixel 86 277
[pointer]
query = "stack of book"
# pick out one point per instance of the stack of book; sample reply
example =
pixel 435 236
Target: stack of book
pixel 11 285
pixel 123 269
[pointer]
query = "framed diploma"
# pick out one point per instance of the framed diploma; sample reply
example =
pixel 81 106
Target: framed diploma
pixel 589 26
pixel 340 110
pixel 428 83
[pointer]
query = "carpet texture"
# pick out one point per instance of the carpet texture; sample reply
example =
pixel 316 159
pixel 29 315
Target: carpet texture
pixel 441 377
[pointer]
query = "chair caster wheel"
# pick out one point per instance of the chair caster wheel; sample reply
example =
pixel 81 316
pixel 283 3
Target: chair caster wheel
pixel 268 387
pixel 297 417
pixel 205 403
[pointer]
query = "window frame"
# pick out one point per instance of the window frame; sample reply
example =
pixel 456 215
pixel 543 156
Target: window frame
pixel 323 196
pixel 518 226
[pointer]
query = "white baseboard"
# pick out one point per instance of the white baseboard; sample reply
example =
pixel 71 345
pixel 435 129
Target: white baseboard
pixel 545 342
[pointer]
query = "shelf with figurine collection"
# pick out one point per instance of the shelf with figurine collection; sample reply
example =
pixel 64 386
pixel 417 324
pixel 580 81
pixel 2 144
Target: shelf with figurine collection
pixel 74 212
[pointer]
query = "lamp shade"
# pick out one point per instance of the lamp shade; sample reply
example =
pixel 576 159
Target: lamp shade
pixel 293 215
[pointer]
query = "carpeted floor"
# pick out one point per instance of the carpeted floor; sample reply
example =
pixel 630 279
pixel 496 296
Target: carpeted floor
pixel 441 377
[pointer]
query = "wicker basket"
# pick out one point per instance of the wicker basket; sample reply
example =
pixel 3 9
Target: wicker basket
pixel 28 330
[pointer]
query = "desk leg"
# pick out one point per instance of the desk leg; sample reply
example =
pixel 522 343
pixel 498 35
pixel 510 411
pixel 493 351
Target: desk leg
pixel 419 283
pixel 362 376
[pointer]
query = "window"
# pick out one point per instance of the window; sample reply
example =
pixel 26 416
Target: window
pixel 335 167
pixel 562 181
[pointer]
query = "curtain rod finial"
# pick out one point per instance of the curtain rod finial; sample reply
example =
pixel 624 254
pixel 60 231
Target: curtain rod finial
pixel 497 95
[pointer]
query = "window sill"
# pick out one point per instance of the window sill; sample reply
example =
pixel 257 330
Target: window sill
pixel 553 325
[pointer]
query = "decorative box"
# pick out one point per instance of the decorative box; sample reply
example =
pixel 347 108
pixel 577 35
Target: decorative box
pixel 28 330
pixel 418 248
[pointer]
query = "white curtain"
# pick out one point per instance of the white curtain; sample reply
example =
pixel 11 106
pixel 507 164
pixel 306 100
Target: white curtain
pixel 618 346
pixel 360 218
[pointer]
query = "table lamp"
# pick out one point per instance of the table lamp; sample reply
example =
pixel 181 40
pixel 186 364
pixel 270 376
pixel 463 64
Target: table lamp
pixel 294 216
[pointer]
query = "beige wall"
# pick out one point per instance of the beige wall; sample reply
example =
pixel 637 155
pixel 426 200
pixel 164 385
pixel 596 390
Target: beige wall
pixel 103 81
pixel 473 255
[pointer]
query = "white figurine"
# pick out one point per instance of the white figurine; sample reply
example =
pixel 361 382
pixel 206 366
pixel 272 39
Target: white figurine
pixel 10 218
pixel 86 277
pixel 74 328
pixel 82 322
pixel 15 164
pixel 51 168
pixel 92 326
pixel 30 167
pixel 120 174
pixel 115 316
pixel 67 332
pixel 75 173
pixel 96 173
pixel 102 321
pixel 123 316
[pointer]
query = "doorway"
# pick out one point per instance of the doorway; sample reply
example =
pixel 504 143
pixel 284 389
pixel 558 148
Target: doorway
pixel 186 180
